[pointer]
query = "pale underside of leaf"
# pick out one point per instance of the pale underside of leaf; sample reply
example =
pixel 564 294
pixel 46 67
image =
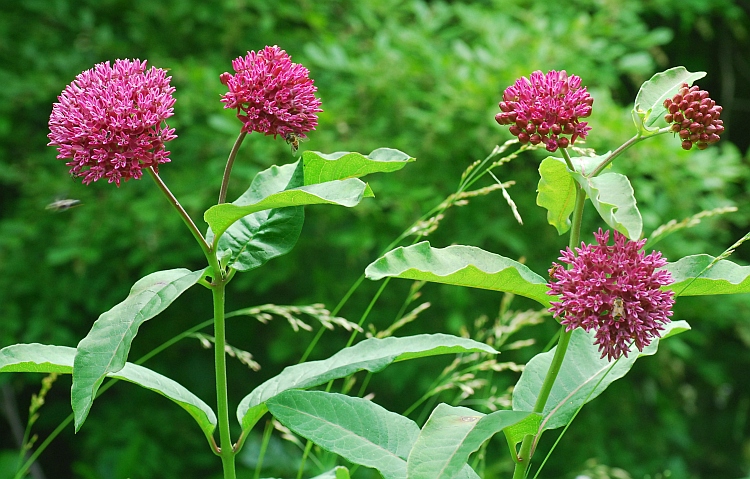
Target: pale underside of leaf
pixel 372 354
pixel 460 266
pixel 649 102
pixel 43 358
pixel 701 275
pixel 614 199
pixel 354 428
pixel 105 348
pixel 452 434
pixel 579 379
pixel 321 167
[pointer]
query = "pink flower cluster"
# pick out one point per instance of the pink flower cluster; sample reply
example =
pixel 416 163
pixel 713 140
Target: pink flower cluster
pixel 272 95
pixel 546 108
pixel 110 121
pixel 694 117
pixel 614 290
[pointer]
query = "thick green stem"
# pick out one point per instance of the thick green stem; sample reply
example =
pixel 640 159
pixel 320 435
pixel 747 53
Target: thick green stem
pixel 228 168
pixel 526 452
pixel 226 452
pixel 523 458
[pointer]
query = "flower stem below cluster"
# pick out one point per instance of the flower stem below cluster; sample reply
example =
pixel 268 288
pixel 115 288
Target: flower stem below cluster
pixel 228 168
pixel 183 214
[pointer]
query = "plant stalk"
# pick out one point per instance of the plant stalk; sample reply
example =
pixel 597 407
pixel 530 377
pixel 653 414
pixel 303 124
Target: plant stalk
pixel 226 451
pixel 181 211
pixel 523 458
pixel 228 168
pixel 638 137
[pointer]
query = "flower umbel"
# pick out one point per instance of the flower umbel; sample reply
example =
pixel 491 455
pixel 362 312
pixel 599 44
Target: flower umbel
pixel 614 290
pixel 110 121
pixel 546 108
pixel 694 117
pixel 272 95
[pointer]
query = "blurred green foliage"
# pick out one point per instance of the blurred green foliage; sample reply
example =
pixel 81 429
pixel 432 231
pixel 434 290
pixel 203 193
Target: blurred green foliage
pixel 423 77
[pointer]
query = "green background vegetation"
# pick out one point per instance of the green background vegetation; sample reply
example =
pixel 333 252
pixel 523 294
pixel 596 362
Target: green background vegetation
pixel 423 77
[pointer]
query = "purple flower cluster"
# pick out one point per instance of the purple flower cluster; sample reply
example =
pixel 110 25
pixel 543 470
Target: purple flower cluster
pixel 546 109
pixel 110 121
pixel 272 95
pixel 694 117
pixel 614 290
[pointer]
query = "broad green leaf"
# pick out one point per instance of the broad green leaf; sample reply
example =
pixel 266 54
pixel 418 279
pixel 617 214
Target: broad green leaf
pixel 105 348
pixel 580 373
pixel 649 103
pixel 36 358
pixel 43 358
pixel 451 434
pixel 371 354
pixel 556 193
pixel 338 472
pixel 724 277
pixel 259 237
pixel 614 199
pixel 356 429
pixel 347 192
pixel 320 167
pixel 461 266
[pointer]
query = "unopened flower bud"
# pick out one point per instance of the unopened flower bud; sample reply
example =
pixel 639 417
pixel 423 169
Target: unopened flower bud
pixel 694 116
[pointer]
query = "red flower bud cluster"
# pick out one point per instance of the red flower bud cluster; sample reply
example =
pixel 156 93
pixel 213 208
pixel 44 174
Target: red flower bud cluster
pixel 545 107
pixel 694 117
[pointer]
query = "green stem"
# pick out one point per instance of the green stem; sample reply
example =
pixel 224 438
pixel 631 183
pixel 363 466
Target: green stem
pixel 523 458
pixel 228 168
pixel 226 451
pixel 637 138
pixel 181 211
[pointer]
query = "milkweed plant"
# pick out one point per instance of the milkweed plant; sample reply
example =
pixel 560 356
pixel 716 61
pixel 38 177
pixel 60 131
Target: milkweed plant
pixel 612 299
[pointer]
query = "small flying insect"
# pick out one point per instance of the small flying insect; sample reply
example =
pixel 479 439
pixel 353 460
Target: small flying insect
pixel 63 205
pixel 618 309
pixel 294 140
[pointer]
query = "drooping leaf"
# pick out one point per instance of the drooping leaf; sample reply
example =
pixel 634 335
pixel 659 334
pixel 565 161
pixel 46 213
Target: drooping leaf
pixel 356 429
pixel 320 167
pixel 557 190
pixel 105 348
pixel 43 358
pixel 556 193
pixel 649 103
pixel 37 358
pixel 724 277
pixel 580 373
pixel 451 434
pixel 371 354
pixel 461 266
pixel 259 237
pixel 347 192
pixel 614 200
